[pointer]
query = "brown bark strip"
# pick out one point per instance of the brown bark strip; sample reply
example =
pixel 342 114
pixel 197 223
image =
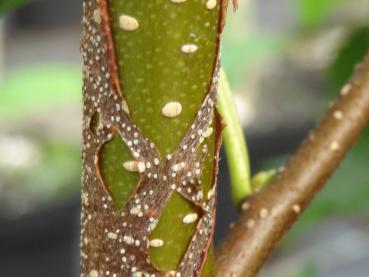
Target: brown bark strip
pixel 267 216
pixel 223 15
pixel 113 242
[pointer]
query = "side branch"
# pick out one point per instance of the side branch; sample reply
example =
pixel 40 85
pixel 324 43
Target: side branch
pixel 267 216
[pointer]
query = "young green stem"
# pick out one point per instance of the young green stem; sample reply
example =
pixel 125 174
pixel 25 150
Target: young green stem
pixel 235 143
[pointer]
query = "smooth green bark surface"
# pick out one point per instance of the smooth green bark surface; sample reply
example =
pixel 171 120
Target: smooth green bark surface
pixel 153 71
pixel 120 182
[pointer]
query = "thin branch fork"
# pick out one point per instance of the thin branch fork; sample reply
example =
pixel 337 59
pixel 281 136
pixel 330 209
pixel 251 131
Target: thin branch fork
pixel 268 215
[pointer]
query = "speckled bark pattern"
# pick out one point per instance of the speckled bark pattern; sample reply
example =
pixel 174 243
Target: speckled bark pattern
pixel 116 242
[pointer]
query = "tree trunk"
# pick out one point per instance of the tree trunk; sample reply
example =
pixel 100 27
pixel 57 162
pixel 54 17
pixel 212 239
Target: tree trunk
pixel 151 136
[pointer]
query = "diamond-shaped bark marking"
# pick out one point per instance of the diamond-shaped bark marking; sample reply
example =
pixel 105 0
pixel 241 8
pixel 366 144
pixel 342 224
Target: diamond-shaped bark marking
pixel 120 182
pixel 175 240
pixel 118 241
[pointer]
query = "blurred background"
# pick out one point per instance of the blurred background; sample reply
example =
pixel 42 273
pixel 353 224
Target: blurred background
pixel 286 60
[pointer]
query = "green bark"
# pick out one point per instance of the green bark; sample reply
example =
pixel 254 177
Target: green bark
pixel 153 71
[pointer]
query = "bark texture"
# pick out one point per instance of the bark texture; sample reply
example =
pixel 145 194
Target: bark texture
pixel 268 215
pixel 116 228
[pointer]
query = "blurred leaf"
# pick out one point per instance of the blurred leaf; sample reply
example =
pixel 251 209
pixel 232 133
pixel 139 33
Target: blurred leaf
pixel 309 270
pixel 56 175
pixel 242 55
pixel 313 12
pixel 52 176
pixel 35 88
pixel 351 53
pixel 7 5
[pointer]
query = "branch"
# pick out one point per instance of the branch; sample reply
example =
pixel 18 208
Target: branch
pixel 267 216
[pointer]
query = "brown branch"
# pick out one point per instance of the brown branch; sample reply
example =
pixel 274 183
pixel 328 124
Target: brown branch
pixel 267 216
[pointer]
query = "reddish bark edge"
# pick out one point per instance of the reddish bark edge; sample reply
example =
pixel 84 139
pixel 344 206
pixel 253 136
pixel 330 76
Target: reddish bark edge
pixel 268 215
pixel 108 36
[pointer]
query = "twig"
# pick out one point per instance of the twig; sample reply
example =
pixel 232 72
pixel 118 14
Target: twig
pixel 267 216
